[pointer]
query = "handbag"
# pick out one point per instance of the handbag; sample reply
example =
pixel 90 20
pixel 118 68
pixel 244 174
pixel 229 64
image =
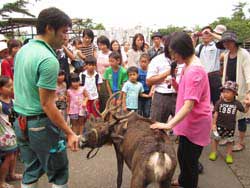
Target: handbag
pixel 7 135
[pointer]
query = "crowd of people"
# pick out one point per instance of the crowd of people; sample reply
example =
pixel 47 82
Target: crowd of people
pixel 57 80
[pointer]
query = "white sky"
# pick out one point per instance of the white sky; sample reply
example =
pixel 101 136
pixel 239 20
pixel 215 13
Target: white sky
pixel 148 13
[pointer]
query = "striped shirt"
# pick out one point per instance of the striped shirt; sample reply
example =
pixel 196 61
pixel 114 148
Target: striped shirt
pixel 88 51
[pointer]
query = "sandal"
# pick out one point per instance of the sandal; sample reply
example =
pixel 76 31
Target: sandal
pixel 15 177
pixel 175 183
pixel 238 147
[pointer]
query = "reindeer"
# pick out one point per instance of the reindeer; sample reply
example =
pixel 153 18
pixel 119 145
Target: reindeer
pixel 148 154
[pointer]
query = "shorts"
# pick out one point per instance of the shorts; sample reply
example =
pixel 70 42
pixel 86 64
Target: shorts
pixel 76 116
pixel 242 125
pixel 227 134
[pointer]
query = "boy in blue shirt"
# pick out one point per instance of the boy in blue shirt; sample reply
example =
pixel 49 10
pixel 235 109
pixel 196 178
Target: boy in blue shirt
pixel 144 103
pixel 131 90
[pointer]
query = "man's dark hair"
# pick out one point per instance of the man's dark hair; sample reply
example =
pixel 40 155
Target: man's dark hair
pixel 132 69
pixel 89 33
pixel 52 17
pixel 103 40
pixel 182 44
pixel 90 60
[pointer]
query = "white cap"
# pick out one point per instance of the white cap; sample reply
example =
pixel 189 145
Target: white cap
pixel 2 38
pixel 220 29
pixel 3 46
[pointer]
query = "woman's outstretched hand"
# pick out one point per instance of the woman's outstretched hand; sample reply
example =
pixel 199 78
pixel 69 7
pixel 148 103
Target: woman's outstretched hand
pixel 158 125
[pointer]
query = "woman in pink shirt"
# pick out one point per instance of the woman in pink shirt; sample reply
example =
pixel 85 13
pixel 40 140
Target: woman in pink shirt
pixel 102 64
pixel 192 121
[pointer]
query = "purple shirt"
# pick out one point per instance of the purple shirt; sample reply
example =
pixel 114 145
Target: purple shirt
pixel 194 86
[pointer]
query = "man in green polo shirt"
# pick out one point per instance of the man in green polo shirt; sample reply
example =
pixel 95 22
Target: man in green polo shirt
pixel 40 127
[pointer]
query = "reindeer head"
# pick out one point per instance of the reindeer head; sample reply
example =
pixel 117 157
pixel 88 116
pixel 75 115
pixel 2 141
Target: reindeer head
pixel 100 130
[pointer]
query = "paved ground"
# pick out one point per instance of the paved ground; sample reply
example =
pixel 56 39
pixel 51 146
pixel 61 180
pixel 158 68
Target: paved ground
pixel 100 172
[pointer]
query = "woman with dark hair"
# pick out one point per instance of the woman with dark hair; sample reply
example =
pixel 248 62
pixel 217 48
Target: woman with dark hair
pixel 7 65
pixel 138 47
pixel 193 118
pixel 115 46
pixel 88 48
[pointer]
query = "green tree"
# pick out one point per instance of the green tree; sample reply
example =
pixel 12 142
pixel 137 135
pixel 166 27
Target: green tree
pixel 88 23
pixel 238 22
pixel 170 29
pixel 99 26
pixel 18 7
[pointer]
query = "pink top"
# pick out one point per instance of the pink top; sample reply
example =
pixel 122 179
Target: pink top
pixel 196 125
pixel 76 101
pixel 102 62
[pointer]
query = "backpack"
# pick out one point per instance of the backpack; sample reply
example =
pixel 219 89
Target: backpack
pixel 96 79
pixel 200 48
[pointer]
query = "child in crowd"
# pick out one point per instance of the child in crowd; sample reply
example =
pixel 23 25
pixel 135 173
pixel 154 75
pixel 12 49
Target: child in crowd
pixel 131 90
pixel 77 98
pixel 92 81
pixel 144 103
pixel 7 65
pixel 225 119
pixel 88 48
pixel 8 143
pixel 115 75
pixel 79 57
pixel 61 90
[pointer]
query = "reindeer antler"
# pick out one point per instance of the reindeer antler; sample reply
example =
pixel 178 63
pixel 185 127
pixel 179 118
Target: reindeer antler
pixel 121 117
pixel 107 108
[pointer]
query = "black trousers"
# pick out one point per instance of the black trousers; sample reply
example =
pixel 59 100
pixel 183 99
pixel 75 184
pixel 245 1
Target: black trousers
pixel 215 84
pixel 188 156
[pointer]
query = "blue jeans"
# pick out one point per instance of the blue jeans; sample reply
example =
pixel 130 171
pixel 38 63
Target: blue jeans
pixel 144 105
pixel 35 152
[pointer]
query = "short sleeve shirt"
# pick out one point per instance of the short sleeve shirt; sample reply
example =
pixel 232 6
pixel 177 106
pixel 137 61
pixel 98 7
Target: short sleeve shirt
pixel 90 84
pixel 122 77
pixel 194 85
pixel 142 78
pixel 210 57
pixel 227 113
pixel 132 91
pixel 36 66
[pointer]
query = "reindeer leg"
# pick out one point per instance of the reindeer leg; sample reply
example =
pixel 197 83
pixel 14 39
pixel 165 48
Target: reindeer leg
pixel 165 184
pixel 120 163
pixel 137 181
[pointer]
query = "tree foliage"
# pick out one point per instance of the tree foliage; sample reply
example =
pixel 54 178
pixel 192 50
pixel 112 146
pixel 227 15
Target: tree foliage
pixel 170 29
pixel 238 22
pixel 17 7
pixel 87 24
